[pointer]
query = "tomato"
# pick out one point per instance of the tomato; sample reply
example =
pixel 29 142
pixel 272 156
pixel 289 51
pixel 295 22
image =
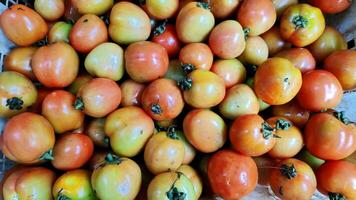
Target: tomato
pixel 146 61
pixel 116 178
pixel 342 65
pixel 194 22
pixel 293 179
pixel 320 90
pixel 129 128
pixel 175 70
pixel 277 81
pixel 256 51
pixel 289 139
pixel 37 106
pixel 194 178
pixel 302 24
pixel 95 130
pixel 265 164
pixel 227 40
pixel 258 16
pixel 199 55
pixel 171 185
pixel 162 99
pixel 78 82
pixel 74 185
pixel 22 25
pixel 282 5
pixel 351 158
pixel 311 160
pixel 131 93
pixel 162 9
pixel 293 112
pixel 330 176
pixel 231 71
pixel 59 32
pixel 232 175
pixel 274 41
pixel 121 28
pixel 72 151
pixel 205 130
pixel 96 7
pixel 166 35
pixel 29 182
pixel 55 65
pixel 331 40
pixel 98 97
pixel 189 150
pixel 239 100
pixel 164 151
pixel 331 6
pixel 28 138
pixel 301 58
pixel 223 8
pixel 71 13
pixel 19 60
pixel 328 138
pixel 87 33
pixel 203 85
pixel 50 10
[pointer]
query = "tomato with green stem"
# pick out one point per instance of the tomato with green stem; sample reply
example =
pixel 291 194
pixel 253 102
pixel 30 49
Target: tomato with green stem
pixel 293 112
pixel 196 56
pixel 194 178
pixel 19 60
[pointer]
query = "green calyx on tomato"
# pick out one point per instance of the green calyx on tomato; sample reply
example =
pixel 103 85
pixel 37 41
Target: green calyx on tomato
pixel 161 28
pixel 187 68
pixel 62 196
pixel 203 5
pixel 267 131
pixel 171 133
pixel 185 84
pixel 300 22
pixel 156 109
pixel 246 32
pixel 173 193
pixel 107 140
pixel 282 124
pixel 48 155
pixel 79 104
pixel 112 159
pixel 336 196
pixel 288 171
pixel 14 103
pixel 341 116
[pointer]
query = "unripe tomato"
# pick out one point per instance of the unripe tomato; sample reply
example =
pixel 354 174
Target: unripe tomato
pixel 293 112
pixel 96 7
pixel 161 9
pixel 59 32
pixel 50 10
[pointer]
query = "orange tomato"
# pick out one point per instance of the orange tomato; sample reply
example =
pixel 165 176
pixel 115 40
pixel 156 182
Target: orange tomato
pixel 293 112
pixel 197 54
pixel 274 41
pixel 19 60
pixel 162 9
pixel 231 71
pixel 131 93
pixel 300 57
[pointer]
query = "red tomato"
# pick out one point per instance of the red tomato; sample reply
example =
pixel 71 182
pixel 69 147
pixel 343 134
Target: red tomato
pixel 19 60
pixel 320 90
pixel 72 151
pixel 131 92
pixel 232 71
pixel 146 61
pixel 293 112
pixel 232 175
pixel 331 6
pixel 165 35
pixel 300 57
pixel 50 10
pixel 197 54
pixel 274 41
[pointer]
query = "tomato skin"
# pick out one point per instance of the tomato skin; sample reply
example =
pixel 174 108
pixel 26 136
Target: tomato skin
pixel 194 178
pixel 169 40
pixel 240 174
pixel 19 60
pixel 302 186
pixel 87 33
pixel 223 8
pixel 98 97
pixel 300 57
pixel 274 41
pixel 96 7
pixel 121 30
pixel 277 81
pixel 22 25
pixel 256 51
pixel 302 24
pixel 328 138
pixel 131 93
pixel 50 10
pixel 265 166
pixel 58 108
pixel 95 130
pixel 189 150
pixel 72 151
pixel 257 15
pixel 78 82
pixel 194 22
pixel 293 112
pixel 331 6
pixel 146 61
pixel 197 54
pixel 226 40
pixel 321 88
pixel 162 9
pixel 281 5
pixel 37 106
pixel 205 130
pixel 27 137
pixel 59 32
pixel 231 71
pixel 74 185
pixel 340 171
pixel 55 65
pixel 342 65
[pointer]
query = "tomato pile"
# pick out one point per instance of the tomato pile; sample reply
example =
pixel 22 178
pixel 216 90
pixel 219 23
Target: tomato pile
pixel 176 100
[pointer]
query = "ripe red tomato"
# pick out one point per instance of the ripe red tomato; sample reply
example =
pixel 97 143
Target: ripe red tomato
pixel 160 10
pixel 231 70
pixel 320 90
pixel 50 10
pixel 331 6
pixel 19 60
pixel 22 25
pixel 72 151
pixel 300 57
pixel 293 112
pixel 274 41
pixel 166 35
pixel 131 92
pixel 199 55
pixel 146 61
pixel 223 8
pixel 232 175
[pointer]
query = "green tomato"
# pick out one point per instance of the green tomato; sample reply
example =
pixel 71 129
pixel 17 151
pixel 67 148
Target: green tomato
pixel 311 160
pixel 175 71
pixel 59 32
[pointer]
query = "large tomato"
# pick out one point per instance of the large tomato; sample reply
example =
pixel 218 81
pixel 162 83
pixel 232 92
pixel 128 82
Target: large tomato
pixel 282 5
pixel 300 57
pixel 196 56
pixel 274 41
pixel 74 185
pixel 50 10
pixel 194 178
pixel 161 9
pixel 59 32
pixel 96 7
pixel 337 179
pixel 343 65
pixel 122 29
pixel 194 22
pixel 205 130
pixel 257 16
pixel 293 112
pixel 58 108
pixel 320 90
pixel 277 81
pixel 166 35
pixel 22 25
pixel 55 65
pixel 232 175
pixel 330 138
pixel 19 60
pixel 95 130
pixel 302 24
pixel 251 135
pixel 256 51
pixel 28 138
pixel 331 6
pixel 131 93
pixel 16 93
pixel 129 128
pixel 223 8
pixel 72 151
pixel 146 61
pixel 98 97
pixel 293 179
pixel 231 71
